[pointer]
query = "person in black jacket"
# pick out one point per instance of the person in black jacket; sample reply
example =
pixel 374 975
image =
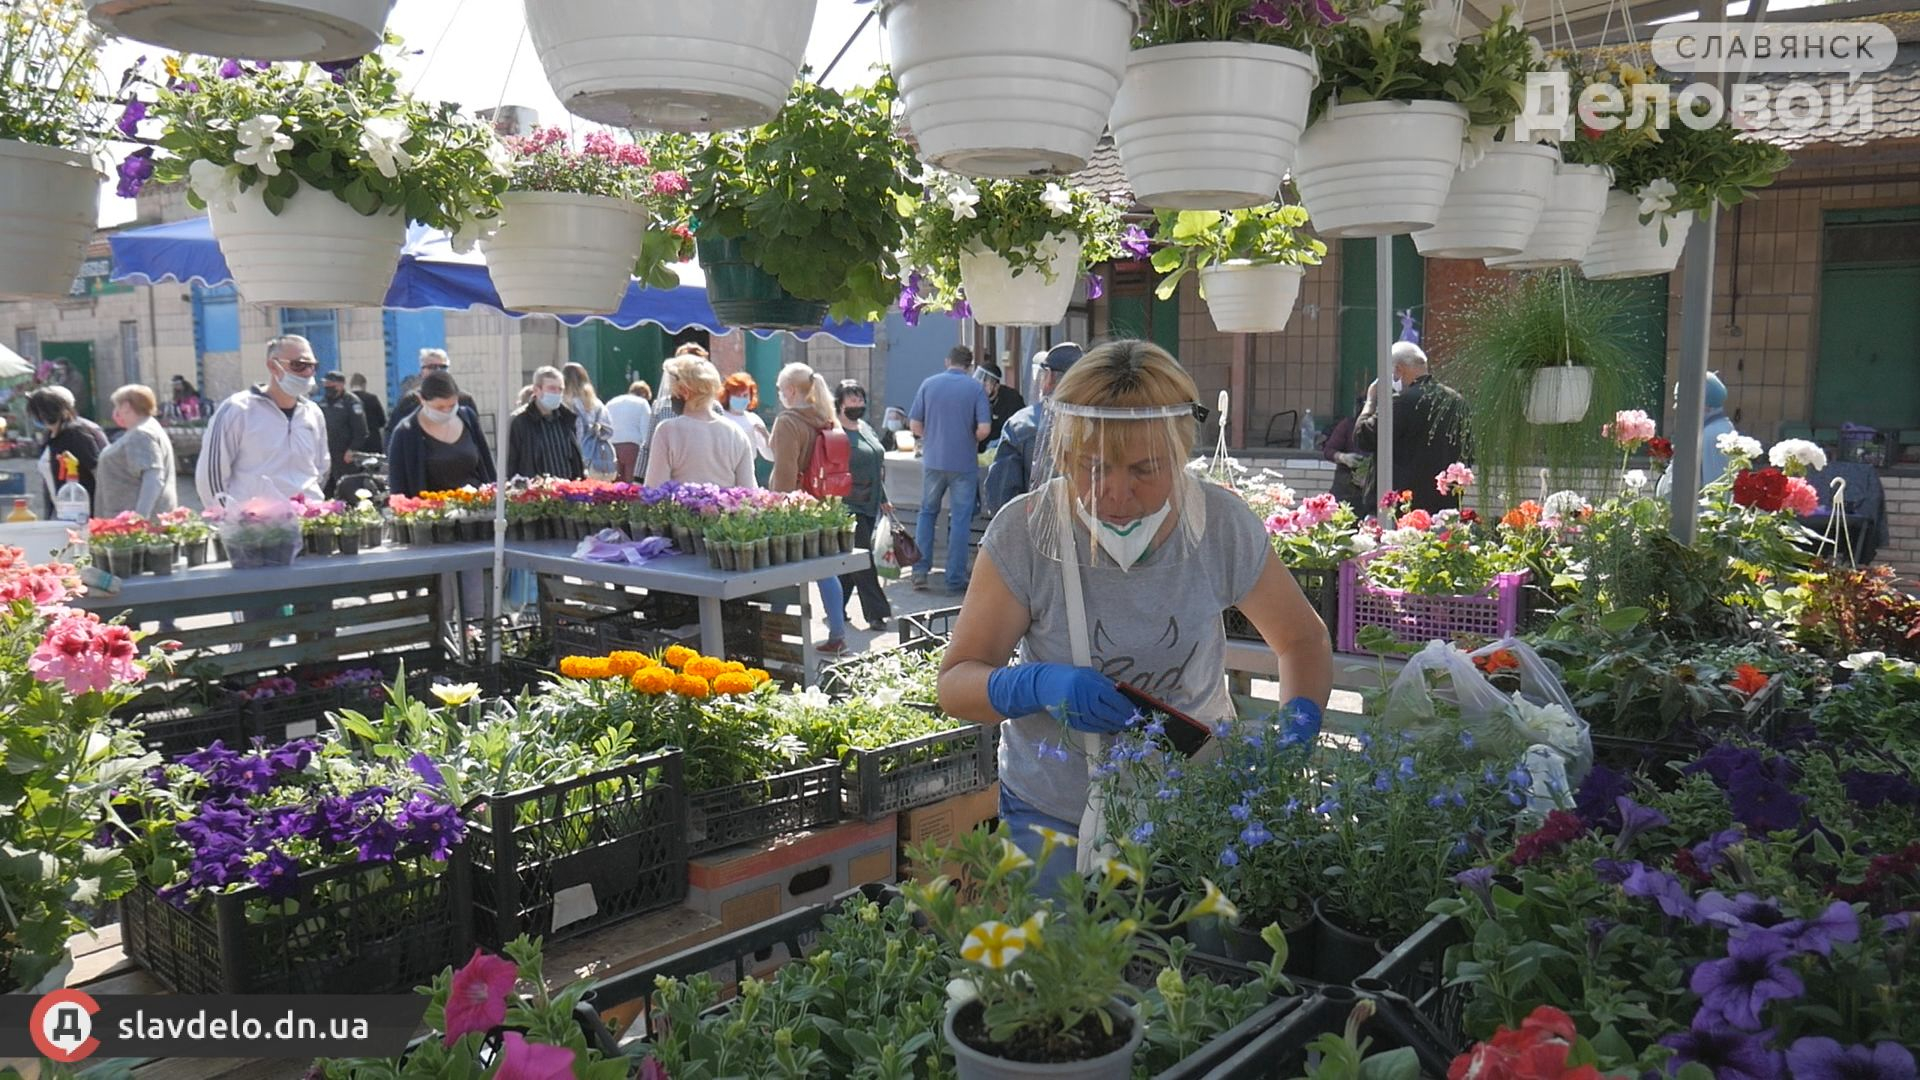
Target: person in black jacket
pixel 439 446
pixel 376 440
pixel 1429 427
pixel 540 440
pixel 346 426
pixel 51 409
pixel 431 360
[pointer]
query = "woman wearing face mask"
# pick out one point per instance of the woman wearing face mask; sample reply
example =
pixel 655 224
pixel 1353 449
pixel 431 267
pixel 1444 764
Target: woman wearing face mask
pixel 741 395
pixel 1116 568
pixel 806 419
pixel 136 473
pixel 438 447
pixel 543 438
pixel 696 444
pixel 868 463
pixel 592 425
pixel 63 434
pixel 890 427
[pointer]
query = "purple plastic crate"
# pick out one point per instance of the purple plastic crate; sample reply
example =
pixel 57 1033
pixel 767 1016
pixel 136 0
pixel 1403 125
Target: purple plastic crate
pixel 1492 613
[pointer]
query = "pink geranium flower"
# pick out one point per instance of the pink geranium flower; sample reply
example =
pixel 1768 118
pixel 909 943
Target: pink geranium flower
pixel 1454 479
pixel 1415 519
pixel 478 1000
pixel 1630 428
pixel 85 654
pixel 1802 498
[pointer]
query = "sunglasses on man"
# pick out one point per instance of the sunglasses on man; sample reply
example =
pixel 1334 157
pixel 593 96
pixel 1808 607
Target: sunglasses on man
pixel 300 367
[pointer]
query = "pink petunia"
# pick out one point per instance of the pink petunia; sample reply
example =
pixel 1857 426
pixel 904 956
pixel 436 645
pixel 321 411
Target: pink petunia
pixel 669 183
pixel 522 1060
pixel 478 999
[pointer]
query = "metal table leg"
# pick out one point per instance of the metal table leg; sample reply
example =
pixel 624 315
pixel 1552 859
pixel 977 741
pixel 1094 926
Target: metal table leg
pixel 713 637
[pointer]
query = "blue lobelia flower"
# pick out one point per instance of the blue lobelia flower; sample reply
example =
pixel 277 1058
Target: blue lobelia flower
pixel 1229 857
pixel 1240 811
pixel 1142 833
pixel 1255 834
pixel 1406 768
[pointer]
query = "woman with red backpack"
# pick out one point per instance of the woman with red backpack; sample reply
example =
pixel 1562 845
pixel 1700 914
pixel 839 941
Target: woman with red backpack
pixel 812 453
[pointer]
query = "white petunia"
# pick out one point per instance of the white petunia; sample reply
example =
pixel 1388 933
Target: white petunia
pixel 1656 196
pixel 1536 52
pixel 1563 504
pixel 381 139
pixel 1789 453
pixel 961 991
pixel 1361 543
pixel 1057 200
pixel 215 185
pixel 1438 41
pixel 1636 479
pixel 260 142
pixel 888 696
pixel 1397 537
pixel 499 158
pixel 1478 144
pixel 1735 445
pixel 1862 661
pixel 473 229
pixel 1376 21
pixel 813 698
pixel 963 197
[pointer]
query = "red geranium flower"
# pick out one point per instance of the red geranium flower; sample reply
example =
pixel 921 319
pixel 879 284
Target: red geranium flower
pixel 1660 449
pixel 1762 489
pixel 1749 680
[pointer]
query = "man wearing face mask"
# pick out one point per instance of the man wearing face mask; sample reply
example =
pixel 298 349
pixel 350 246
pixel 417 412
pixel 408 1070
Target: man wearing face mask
pixel 346 425
pixel 541 441
pixel 1003 400
pixel 269 440
pixel 1021 442
pixel 1429 421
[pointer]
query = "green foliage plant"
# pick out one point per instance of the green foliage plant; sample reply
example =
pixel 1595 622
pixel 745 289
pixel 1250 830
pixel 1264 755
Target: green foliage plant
pixel 1192 240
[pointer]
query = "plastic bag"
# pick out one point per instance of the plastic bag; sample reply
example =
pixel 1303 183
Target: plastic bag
pixel 885 559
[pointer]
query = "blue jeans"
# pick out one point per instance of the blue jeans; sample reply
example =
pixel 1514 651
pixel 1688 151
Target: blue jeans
pixel 834 598
pixel 935 484
pixel 1019 816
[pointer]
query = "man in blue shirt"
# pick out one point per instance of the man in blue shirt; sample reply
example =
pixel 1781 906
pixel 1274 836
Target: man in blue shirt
pixel 950 415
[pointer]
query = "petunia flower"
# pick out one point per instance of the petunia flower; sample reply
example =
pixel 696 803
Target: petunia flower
pixel 1820 1058
pixel 1725 1053
pixel 261 141
pixel 993 944
pixel 477 1000
pixel 1656 196
pixel 1213 902
pixel 1634 820
pixel 523 1060
pixel 1754 972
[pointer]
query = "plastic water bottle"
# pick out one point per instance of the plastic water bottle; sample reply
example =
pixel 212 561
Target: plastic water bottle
pixel 1308 433
pixel 71 503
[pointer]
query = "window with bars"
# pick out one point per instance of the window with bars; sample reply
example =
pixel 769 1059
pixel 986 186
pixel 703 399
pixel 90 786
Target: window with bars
pixel 321 328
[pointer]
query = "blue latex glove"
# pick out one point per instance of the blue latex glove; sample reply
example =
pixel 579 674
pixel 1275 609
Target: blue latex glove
pixel 1303 721
pixel 1081 698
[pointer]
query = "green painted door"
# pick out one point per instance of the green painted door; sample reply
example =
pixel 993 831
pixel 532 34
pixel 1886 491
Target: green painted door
pixel 614 357
pixel 73 369
pixel 1359 355
pixel 1149 317
pixel 1869 364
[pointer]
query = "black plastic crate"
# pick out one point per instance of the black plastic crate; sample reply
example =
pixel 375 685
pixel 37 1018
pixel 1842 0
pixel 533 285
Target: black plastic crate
pixel 595 851
pixel 936 625
pixel 1762 717
pixel 1416 973
pixel 183 730
pixel 886 780
pixel 1280 1051
pixel 385 928
pixel 297 715
pixel 791 802
pixel 1323 593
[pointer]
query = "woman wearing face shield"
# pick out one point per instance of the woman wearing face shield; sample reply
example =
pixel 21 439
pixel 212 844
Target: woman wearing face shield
pixel 1116 568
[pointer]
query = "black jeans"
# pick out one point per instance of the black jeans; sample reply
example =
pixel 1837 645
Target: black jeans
pixel 873 598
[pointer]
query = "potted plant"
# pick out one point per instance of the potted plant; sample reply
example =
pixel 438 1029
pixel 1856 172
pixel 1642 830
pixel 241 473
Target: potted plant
pixel 267 29
pixel 160 553
pixel 1398 95
pixel 1007 252
pixel 802 216
pixel 1536 354
pixel 1214 99
pixel 1659 186
pixel 359 524
pixel 320 525
pixel 1043 989
pixel 1250 262
pixel 189 532
pixel 679 67
pixel 292 160
pixel 977 108
pixel 413 518
pixel 121 542
pixel 50 97
pixel 573 224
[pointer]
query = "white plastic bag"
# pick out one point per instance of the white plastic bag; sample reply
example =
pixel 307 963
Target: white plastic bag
pixel 883 556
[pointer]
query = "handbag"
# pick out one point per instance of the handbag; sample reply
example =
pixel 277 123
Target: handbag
pixel 906 553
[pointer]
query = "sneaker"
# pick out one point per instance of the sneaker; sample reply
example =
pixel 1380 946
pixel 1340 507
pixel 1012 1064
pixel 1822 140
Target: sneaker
pixel 919 583
pixel 832 647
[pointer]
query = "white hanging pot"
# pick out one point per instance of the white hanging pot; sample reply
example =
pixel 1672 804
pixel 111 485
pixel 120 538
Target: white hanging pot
pixel 1378 168
pixel 1559 395
pixel 1007 87
pixel 1211 125
pixel 1493 207
pixel 1568 223
pixel 253 29
pixel 704 66
pixel 564 254
pixel 318 252
pixel 1248 299
pixel 49 208
pixel 1624 248
pixel 998 298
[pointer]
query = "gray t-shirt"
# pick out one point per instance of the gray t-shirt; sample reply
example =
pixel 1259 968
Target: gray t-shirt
pixel 1157 627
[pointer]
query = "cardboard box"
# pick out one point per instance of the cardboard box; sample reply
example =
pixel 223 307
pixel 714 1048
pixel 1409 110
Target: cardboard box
pixel 944 822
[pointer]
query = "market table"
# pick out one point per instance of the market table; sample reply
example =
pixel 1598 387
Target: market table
pixel 1246 659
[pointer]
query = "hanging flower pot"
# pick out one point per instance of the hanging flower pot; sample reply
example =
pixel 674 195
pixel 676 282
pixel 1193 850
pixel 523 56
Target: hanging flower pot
pixel 1567 224
pixel 1033 298
pixel 562 253
pixel 708 66
pixel 1624 248
pixel 1559 395
pixel 1248 299
pixel 972 1063
pixel 742 294
pixel 1211 125
pixel 317 252
pixel 256 29
pixel 981 108
pixel 49 208
pixel 1379 168
pixel 1493 207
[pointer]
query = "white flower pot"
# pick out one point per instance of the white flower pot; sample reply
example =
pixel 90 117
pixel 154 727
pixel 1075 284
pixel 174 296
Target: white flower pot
pixel 704 66
pixel 1378 168
pixel 1211 125
pixel 972 1064
pixel 1247 299
pixel 317 253
pixel 999 298
pixel 251 29
pixel 1624 248
pixel 1559 395
pixel 1493 207
pixel 1567 225
pixel 1007 87
pixel 564 254
pixel 49 208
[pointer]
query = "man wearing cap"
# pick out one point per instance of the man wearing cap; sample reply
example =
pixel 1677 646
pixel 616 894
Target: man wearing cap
pixel 1002 400
pixel 430 360
pixel 1023 440
pixel 346 425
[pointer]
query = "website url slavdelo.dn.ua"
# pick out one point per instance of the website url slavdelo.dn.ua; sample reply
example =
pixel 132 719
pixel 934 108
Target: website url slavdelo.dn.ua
pixel 70 1025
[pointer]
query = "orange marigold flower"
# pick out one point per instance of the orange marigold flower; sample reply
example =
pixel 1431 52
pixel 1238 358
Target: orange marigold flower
pixel 1497 660
pixel 733 682
pixel 625 663
pixel 594 667
pixel 705 666
pixel 692 686
pixel 759 676
pixel 734 665
pixel 679 655
pixel 652 680
pixel 1749 680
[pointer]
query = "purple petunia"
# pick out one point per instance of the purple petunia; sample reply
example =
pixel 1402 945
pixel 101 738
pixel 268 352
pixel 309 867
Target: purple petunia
pixel 1136 242
pixel 1096 288
pixel 1741 914
pixel 1727 1054
pixel 1838 923
pixel 425 769
pixel 130 117
pixel 1871 789
pixel 1819 1058
pixel 231 69
pixel 1664 889
pixel 1709 853
pixel 376 839
pixel 1616 871
pixel 1754 972
pixel 1595 801
pixel 434 824
pixel 1634 820
pixel 1478 881
pixel 1762 803
pixel 278 875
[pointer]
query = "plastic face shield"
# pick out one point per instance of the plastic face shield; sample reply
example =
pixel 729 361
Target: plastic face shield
pixel 1106 468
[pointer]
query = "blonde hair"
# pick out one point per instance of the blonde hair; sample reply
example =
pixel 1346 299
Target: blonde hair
pixel 694 378
pixel 1126 374
pixel 544 372
pixel 692 348
pixel 578 384
pixel 139 398
pixel 819 395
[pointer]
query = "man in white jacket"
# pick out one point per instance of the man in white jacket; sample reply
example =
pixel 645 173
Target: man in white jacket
pixel 268 440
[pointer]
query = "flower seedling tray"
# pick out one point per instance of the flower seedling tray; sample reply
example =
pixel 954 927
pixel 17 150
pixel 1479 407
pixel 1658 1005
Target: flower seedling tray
pixel 565 859
pixel 936 624
pixel 916 772
pixel 1412 979
pixel 1323 593
pixel 845 678
pixel 790 802
pixel 1412 619
pixel 361 929
pixel 298 715
pixel 1762 717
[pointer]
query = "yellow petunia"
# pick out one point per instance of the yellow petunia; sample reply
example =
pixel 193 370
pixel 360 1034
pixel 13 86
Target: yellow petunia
pixel 993 945
pixel 705 666
pixel 456 693
pixel 1012 858
pixel 732 682
pixel 678 656
pixel 1031 928
pixel 1214 902
pixel 1054 837
pixel 652 680
pixel 692 686
pixel 1117 870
